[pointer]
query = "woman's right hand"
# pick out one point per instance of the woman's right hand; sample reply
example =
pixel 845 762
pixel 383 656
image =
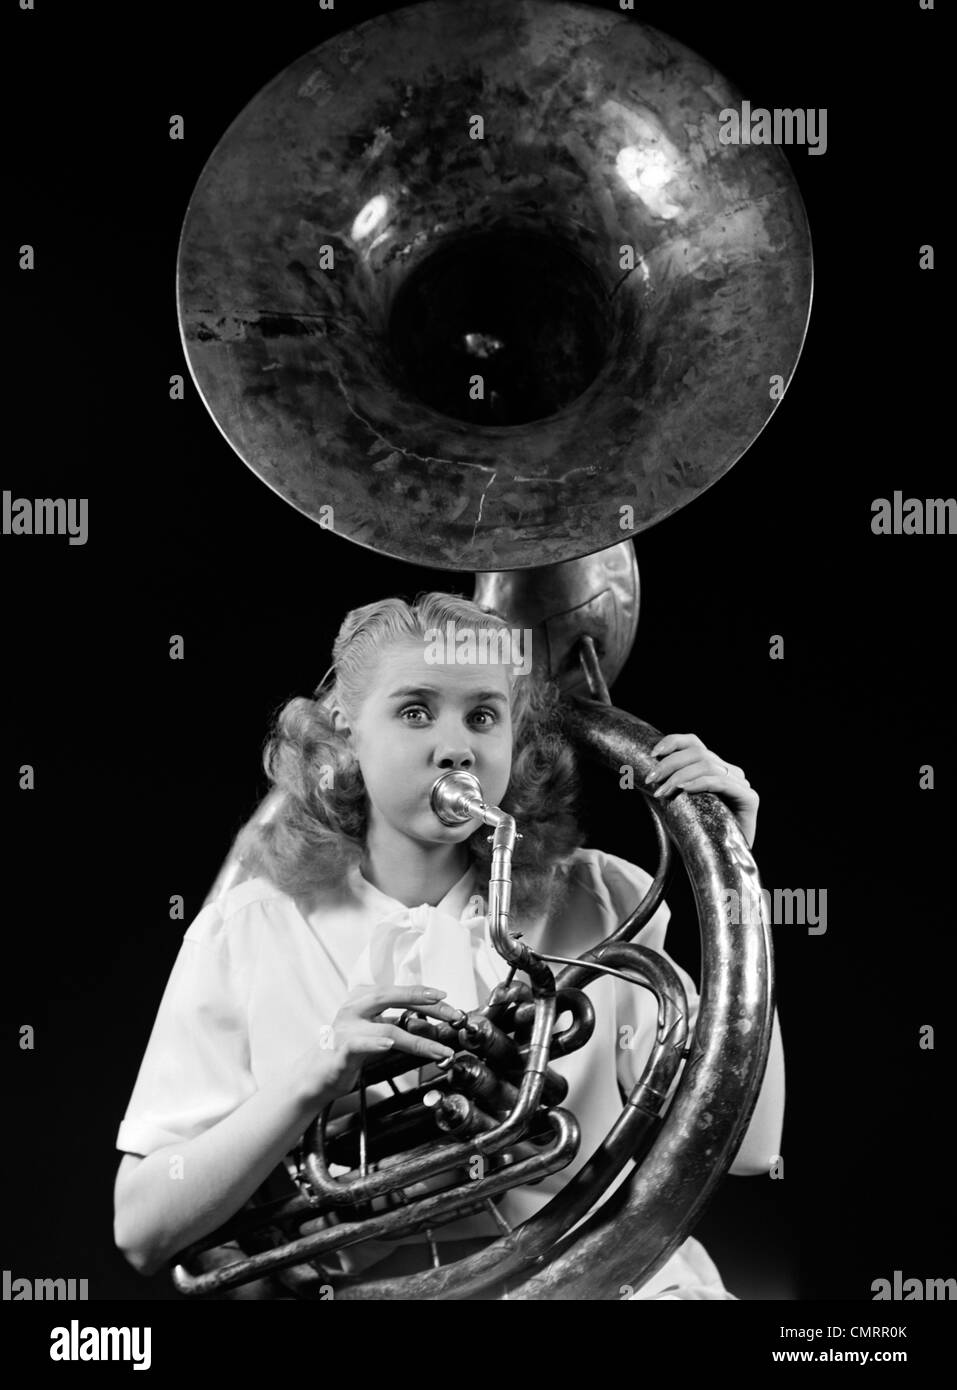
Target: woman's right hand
pixel 331 1068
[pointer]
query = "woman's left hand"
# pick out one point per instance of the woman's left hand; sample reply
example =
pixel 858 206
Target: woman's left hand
pixel 686 765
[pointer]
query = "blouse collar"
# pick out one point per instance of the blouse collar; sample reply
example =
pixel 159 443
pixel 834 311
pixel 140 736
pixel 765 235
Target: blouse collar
pixel 460 901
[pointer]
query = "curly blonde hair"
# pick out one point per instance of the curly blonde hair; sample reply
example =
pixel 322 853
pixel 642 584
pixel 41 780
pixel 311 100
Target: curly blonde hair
pixel 318 830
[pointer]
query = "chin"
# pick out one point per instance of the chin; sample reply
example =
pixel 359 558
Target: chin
pixel 444 833
pixel 439 834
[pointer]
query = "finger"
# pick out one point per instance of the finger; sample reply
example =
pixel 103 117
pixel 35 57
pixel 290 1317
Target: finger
pixel 685 757
pixel 419 1047
pixel 670 743
pixel 374 1001
pixel 365 1044
pixel 733 769
pixel 448 1013
pixel 707 782
pixel 681 775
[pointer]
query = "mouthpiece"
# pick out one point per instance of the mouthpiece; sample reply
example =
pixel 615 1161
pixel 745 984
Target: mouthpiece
pixel 457 797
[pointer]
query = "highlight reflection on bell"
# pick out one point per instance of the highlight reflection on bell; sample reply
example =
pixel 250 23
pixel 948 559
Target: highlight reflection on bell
pixel 635 283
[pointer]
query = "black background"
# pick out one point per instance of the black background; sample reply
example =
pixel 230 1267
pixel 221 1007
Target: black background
pixel 145 767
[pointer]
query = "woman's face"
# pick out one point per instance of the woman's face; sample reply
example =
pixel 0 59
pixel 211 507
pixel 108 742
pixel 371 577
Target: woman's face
pixel 420 719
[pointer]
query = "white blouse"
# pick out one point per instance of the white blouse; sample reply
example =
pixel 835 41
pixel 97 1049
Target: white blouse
pixel 258 974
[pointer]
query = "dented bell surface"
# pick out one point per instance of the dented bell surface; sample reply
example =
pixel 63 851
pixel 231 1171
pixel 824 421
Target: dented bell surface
pixel 464 282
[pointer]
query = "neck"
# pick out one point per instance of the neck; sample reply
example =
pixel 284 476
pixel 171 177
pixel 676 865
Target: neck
pixel 410 872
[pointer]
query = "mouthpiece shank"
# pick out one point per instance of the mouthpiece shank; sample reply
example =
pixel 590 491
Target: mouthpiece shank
pixel 457 797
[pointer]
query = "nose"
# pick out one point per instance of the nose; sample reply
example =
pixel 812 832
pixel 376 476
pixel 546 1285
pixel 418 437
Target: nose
pixel 454 760
pixel 454 756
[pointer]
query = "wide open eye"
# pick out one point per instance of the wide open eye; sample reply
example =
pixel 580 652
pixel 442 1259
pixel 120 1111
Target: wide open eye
pixel 413 709
pixel 491 716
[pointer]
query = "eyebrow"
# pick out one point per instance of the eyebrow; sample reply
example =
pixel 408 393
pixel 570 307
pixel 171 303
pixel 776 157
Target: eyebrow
pixel 473 698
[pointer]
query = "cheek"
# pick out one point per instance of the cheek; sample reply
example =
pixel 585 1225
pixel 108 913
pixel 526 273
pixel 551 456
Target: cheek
pixel 500 761
pixel 386 748
pixel 388 767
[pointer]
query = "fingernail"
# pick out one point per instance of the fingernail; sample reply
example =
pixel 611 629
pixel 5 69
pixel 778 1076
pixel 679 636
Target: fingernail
pixel 651 777
pixel 435 994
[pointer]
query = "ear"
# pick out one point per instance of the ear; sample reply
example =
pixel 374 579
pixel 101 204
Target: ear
pixel 340 723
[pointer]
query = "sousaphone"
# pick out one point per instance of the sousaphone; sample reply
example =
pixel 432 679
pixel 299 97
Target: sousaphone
pixel 480 287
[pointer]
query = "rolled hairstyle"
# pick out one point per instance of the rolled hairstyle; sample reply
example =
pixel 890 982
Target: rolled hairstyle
pixel 318 831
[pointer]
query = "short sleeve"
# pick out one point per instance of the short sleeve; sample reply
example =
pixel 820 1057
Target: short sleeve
pixel 637 1007
pixel 196 1068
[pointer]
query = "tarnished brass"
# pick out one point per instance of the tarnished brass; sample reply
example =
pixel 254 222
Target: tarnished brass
pixel 529 192
pixel 534 194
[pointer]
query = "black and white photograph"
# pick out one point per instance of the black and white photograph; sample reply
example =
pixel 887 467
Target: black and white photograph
pixel 479 558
